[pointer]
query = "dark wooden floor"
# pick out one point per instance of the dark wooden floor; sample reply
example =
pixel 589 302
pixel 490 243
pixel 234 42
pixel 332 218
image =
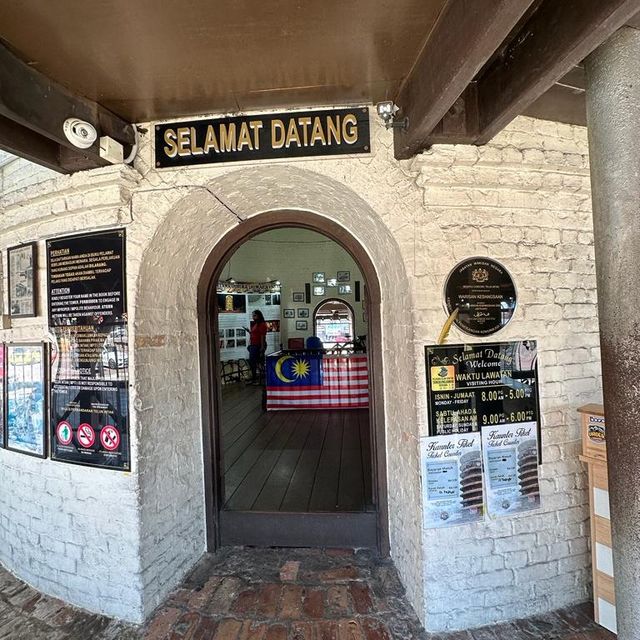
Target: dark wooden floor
pixel 293 461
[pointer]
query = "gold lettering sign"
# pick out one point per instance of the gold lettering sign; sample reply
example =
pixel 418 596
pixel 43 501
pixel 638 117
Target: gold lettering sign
pixel 258 137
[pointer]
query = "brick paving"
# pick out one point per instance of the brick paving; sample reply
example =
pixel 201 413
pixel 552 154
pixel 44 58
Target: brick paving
pixel 274 594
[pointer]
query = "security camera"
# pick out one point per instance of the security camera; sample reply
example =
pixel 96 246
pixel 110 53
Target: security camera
pixel 79 133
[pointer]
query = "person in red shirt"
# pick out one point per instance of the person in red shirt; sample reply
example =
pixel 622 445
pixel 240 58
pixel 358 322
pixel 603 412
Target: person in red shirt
pixel 257 343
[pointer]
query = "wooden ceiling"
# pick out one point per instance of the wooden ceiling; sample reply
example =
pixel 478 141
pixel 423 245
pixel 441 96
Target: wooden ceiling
pixel 152 59
pixel 459 69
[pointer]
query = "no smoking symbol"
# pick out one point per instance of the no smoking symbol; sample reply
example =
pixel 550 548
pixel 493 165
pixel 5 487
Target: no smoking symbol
pixel 110 438
pixel 86 435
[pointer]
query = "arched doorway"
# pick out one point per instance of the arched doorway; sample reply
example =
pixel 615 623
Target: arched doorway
pixel 334 324
pixel 229 524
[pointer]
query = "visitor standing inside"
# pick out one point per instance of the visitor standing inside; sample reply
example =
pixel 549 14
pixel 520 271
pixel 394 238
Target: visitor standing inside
pixel 257 343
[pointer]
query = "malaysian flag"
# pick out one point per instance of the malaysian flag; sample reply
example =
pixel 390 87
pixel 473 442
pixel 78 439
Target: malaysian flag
pixel 317 382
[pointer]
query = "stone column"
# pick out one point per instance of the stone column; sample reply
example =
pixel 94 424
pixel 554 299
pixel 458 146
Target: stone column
pixel 613 116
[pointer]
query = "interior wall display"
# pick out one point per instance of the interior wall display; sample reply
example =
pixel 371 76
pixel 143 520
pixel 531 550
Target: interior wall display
pixel 303 312
pixel 258 137
pixel 476 385
pixel 301 325
pixel 318 277
pixel 318 291
pixel 26 399
pixel 344 289
pixel 289 313
pixel 452 480
pixel 332 282
pixel 232 303
pixel 484 294
pixel 298 296
pixel 22 266
pixel 510 454
pixel 2 382
pixel 89 414
pixel 343 276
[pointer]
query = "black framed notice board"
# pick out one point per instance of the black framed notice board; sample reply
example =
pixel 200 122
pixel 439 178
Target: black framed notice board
pixel 89 408
pixel 470 386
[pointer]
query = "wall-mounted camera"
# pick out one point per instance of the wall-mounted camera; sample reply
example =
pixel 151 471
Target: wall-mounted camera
pixel 79 133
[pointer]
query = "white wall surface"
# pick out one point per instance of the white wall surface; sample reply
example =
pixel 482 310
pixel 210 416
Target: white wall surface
pixel 523 199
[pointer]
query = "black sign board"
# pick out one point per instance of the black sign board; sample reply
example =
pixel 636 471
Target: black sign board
pixel 88 317
pixel 483 292
pixel 475 385
pixel 259 137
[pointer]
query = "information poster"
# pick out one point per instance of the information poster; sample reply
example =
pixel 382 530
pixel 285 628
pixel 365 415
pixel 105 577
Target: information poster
pixel 476 385
pixel 452 480
pixel 510 455
pixel 2 375
pixel 88 318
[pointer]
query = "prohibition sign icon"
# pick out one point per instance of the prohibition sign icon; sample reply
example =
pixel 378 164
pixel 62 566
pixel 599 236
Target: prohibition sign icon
pixel 64 432
pixel 86 435
pixel 109 437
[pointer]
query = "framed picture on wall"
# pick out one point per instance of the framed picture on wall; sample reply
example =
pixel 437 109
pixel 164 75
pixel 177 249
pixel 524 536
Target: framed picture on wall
pixel 318 291
pixel 26 370
pixel 344 289
pixel 343 276
pixel 332 282
pixel 318 277
pixel 298 296
pixel 21 272
pixel 289 313
pixel 2 374
pixel 301 325
pixel 303 313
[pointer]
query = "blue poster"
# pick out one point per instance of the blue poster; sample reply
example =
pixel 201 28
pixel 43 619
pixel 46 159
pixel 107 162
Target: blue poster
pixel 25 371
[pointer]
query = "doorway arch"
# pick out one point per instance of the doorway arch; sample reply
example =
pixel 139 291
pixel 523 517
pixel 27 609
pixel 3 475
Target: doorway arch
pixel 168 432
pixel 329 528
pixel 336 303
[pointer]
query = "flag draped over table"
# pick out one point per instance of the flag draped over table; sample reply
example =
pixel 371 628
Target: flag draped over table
pixel 317 382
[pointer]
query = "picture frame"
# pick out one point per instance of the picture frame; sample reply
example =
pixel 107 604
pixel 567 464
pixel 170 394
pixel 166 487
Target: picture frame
pixel 303 312
pixel 298 296
pixel 343 276
pixel 22 267
pixel 2 375
pixel 332 282
pixel 288 313
pixel 344 289
pixel 301 325
pixel 318 277
pixel 318 291
pixel 26 371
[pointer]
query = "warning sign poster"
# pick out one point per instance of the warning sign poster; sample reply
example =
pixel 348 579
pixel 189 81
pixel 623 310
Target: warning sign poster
pixel 90 361
pixel 471 386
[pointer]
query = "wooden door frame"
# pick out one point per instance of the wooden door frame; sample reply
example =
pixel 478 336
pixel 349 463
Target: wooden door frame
pixel 209 357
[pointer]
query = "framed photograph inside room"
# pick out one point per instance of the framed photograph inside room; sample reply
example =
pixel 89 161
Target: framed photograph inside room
pixel 303 313
pixel 298 296
pixel 318 277
pixel 21 272
pixel 344 289
pixel 289 313
pixel 301 325
pixel 343 276
pixel 318 291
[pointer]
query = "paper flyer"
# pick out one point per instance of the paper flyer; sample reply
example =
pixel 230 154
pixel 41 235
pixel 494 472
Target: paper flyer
pixel 452 480
pixel 510 454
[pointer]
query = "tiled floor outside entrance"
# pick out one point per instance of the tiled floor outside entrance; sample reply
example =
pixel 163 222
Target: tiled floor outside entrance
pixel 273 594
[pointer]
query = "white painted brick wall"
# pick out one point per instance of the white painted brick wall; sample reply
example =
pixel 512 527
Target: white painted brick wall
pixel 524 199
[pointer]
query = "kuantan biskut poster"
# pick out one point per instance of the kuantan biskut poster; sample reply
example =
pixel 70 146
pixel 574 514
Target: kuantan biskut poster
pixel 452 480
pixel 471 386
pixel 510 455
pixel 90 365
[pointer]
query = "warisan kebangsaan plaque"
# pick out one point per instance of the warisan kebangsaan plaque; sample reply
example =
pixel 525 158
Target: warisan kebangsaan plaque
pixel 484 294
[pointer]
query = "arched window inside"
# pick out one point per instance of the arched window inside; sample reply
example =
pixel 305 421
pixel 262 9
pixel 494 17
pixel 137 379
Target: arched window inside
pixel 333 323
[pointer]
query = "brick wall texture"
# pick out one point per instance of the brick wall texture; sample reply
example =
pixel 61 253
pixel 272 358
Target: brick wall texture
pixel 117 543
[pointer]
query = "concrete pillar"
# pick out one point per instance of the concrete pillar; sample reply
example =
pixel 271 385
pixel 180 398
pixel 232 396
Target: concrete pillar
pixel 613 116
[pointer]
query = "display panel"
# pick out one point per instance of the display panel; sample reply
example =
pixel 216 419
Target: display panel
pixel 90 379
pixel 26 401
pixel 476 385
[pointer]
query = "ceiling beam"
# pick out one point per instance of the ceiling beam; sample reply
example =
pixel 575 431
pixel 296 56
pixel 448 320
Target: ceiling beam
pixel 33 101
pixel 555 39
pixel 463 39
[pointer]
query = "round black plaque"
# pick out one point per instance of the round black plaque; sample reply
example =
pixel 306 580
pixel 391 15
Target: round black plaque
pixel 483 292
